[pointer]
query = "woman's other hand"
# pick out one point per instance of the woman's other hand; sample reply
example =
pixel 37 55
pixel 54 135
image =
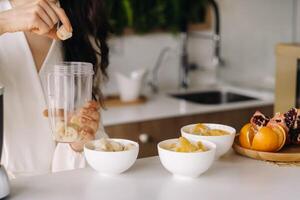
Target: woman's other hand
pixel 88 119
pixel 40 17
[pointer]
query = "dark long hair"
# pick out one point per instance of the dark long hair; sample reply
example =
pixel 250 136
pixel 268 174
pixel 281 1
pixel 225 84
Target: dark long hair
pixel 90 32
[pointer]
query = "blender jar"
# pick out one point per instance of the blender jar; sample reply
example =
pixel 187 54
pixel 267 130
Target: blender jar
pixel 69 88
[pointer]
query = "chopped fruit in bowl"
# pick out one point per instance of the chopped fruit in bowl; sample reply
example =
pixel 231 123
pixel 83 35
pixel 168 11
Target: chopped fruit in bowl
pixel 199 129
pixel 221 135
pixel 205 130
pixel 111 156
pixel 186 158
pixel 185 146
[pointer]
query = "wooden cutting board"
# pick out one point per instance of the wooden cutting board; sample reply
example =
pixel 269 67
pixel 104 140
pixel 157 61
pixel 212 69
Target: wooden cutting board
pixel 290 153
pixel 115 101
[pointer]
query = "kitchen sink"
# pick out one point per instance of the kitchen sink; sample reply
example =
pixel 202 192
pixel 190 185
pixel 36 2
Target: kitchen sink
pixel 214 97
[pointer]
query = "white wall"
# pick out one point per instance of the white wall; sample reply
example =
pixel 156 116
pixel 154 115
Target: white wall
pixel 132 52
pixel 250 31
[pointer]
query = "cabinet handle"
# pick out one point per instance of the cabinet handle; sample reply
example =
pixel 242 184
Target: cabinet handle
pixel 144 138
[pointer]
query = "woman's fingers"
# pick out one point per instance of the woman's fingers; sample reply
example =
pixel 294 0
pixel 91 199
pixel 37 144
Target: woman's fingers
pixel 90 113
pixel 49 11
pixel 53 1
pixel 86 132
pixel 55 112
pixel 93 105
pixel 86 122
pixel 39 17
pixel 43 14
pixel 62 16
pixel 58 113
pixel 87 135
pixel 88 117
pixel 39 26
pixel 52 34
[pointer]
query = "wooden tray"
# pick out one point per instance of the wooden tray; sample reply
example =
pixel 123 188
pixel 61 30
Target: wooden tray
pixel 290 153
pixel 115 101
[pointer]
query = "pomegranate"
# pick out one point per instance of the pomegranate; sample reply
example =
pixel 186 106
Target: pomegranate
pixel 290 117
pixel 294 133
pixel 259 120
pixel 280 120
pixel 297 121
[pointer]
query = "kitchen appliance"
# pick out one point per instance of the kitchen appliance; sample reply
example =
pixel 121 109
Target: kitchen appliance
pixel 287 89
pixel 4 182
pixel 69 88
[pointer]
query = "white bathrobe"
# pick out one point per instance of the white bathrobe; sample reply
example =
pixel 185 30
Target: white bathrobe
pixel 29 148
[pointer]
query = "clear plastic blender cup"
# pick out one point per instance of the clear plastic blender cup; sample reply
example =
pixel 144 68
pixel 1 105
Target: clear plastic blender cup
pixel 69 88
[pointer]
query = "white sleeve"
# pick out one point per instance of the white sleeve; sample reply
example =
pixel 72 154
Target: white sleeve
pixel 65 158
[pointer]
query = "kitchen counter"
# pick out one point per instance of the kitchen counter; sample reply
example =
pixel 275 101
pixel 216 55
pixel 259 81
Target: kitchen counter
pixel 232 177
pixel 163 106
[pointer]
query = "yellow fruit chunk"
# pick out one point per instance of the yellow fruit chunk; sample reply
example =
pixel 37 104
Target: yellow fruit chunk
pixel 217 132
pixel 200 129
pixel 186 146
pixel 265 140
pixel 201 146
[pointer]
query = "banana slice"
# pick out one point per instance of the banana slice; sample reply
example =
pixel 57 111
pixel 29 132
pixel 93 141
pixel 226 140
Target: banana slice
pixel 63 34
pixel 65 133
pixel 116 146
pixel 71 134
pixel 109 145
pixel 129 147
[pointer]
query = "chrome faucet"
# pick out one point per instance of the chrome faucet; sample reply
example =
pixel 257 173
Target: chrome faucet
pixel 186 67
pixel 153 83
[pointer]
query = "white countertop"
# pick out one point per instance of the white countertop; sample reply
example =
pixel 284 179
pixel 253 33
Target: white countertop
pixel 163 106
pixel 232 177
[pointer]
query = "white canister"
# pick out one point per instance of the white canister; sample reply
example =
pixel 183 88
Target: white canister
pixel 130 86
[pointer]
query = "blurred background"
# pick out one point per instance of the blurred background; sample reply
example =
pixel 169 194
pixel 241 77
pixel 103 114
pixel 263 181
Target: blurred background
pixel 249 32
pixel 193 60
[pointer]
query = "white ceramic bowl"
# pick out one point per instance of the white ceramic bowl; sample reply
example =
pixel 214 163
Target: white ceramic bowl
pixel 108 163
pixel 223 142
pixel 182 164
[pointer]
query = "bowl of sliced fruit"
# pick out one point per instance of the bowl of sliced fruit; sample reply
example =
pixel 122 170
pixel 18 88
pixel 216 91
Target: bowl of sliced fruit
pixel 185 158
pixel 221 135
pixel 111 156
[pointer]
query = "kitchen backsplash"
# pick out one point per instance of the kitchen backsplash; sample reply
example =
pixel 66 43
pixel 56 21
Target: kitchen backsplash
pixel 250 31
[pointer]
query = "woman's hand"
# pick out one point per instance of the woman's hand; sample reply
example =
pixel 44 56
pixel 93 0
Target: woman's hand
pixel 88 118
pixel 40 17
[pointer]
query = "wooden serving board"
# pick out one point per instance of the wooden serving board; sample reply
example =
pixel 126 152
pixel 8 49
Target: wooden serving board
pixel 115 101
pixel 290 153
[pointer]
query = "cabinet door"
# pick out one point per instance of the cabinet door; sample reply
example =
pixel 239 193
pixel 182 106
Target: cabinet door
pixel 156 131
pixel 125 131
